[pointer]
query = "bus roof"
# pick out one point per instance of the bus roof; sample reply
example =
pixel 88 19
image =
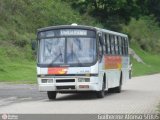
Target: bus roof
pixel 112 32
pixel 66 26
pixel 81 26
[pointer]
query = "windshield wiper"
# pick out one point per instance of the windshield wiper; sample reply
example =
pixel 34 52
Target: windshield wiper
pixel 77 59
pixel 74 54
pixel 57 57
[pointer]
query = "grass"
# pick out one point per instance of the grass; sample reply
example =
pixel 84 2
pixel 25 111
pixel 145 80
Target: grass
pixel 17 64
pixel 24 72
pixel 151 66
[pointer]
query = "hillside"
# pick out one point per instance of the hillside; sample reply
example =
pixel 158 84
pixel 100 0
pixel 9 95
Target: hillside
pixel 151 62
pixel 19 22
pixel 21 18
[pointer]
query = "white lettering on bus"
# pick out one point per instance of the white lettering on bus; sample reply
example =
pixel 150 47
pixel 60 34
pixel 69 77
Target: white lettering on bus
pixel 73 32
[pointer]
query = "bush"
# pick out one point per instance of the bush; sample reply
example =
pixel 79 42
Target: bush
pixel 23 17
pixel 145 33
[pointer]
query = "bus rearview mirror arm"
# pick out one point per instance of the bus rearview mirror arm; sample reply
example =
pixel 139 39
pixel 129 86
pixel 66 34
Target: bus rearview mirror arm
pixel 33 44
pixel 101 40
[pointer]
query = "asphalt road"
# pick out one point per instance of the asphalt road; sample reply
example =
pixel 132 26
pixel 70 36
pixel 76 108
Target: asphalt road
pixel 139 95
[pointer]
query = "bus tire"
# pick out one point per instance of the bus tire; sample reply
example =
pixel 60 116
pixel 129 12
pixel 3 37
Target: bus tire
pixel 51 95
pixel 119 88
pixel 101 94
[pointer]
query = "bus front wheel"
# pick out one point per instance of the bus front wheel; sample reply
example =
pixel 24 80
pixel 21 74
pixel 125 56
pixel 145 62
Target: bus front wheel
pixel 101 94
pixel 51 95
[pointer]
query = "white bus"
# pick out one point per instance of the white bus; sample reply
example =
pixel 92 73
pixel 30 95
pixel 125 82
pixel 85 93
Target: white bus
pixel 76 58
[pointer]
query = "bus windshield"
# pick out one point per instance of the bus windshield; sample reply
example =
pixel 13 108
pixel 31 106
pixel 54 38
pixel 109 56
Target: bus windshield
pixel 67 50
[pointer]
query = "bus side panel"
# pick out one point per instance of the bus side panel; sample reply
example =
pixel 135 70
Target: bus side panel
pixel 113 66
pixel 125 68
pixel 113 78
pixel 101 73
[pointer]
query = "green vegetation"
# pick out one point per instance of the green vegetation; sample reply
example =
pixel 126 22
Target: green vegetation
pixel 21 18
pixel 145 33
pixel 141 18
pixel 145 40
pixel 17 64
pixel 151 61
pixel 19 22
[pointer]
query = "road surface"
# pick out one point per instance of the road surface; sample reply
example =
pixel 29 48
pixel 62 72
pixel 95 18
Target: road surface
pixel 139 95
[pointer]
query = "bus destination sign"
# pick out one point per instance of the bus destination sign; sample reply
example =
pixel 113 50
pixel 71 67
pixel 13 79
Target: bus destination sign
pixel 67 32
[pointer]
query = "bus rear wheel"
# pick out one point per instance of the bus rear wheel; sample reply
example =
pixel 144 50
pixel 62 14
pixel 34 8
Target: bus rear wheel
pixel 119 88
pixel 51 95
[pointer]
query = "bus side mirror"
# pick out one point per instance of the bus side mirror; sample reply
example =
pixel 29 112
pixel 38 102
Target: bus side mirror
pixel 101 51
pixel 101 41
pixel 130 71
pixel 33 44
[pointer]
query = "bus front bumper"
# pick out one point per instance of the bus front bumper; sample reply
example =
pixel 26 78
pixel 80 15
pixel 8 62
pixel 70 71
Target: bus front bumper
pixel 92 85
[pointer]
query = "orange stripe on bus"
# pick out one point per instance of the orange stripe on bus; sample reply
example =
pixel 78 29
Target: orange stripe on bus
pixel 113 62
pixel 57 70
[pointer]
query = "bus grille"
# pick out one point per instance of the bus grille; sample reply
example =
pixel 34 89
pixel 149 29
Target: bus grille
pixel 65 80
pixel 65 87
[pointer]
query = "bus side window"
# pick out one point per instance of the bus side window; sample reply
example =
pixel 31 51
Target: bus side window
pixel 116 45
pixel 106 44
pixel 108 49
pixel 120 45
pixel 101 44
pixel 112 45
pixel 126 45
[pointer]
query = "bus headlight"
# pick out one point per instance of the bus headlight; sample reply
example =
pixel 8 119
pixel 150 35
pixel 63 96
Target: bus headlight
pixel 83 80
pixel 47 80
